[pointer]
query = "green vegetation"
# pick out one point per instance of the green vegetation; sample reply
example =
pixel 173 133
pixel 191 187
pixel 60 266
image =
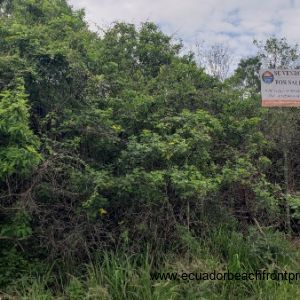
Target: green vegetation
pixel 120 157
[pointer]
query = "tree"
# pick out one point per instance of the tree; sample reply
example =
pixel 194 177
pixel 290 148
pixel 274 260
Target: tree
pixel 216 59
pixel 283 124
pixel 277 53
pixel 119 142
pixel 246 76
pixel 19 157
pixel 19 146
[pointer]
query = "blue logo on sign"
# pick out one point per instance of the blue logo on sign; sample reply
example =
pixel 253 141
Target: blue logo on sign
pixel 267 77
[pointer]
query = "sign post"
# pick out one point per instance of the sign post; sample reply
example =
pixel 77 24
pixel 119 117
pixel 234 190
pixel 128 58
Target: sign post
pixel 281 88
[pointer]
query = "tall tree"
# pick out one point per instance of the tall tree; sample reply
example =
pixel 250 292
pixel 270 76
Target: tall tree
pixel 283 124
pixel 216 59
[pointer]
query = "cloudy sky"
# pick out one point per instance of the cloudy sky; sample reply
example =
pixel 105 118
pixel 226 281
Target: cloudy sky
pixel 233 22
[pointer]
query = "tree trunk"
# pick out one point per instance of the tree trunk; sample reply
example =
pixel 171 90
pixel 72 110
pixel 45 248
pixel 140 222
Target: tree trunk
pixel 287 190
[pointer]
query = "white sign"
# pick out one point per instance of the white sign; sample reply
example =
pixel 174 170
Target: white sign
pixel 280 87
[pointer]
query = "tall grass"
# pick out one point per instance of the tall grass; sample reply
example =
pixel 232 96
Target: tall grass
pixel 111 276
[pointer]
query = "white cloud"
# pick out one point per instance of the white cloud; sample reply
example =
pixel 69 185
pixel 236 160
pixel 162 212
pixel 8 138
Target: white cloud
pixel 236 22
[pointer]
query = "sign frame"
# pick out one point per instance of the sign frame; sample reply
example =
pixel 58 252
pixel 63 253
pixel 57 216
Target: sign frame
pixel 280 87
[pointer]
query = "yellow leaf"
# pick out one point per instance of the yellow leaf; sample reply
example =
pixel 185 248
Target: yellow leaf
pixel 102 211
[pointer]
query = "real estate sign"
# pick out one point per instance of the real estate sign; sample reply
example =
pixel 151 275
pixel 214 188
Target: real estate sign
pixel 280 87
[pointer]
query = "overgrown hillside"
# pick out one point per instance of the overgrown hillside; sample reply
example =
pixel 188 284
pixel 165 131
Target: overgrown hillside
pixel 120 157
